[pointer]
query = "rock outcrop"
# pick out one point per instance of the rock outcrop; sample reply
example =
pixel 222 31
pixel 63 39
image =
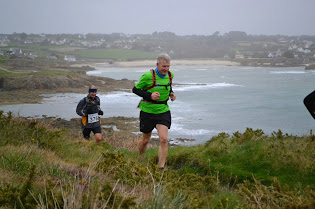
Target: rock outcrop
pixel 310 67
pixel 38 82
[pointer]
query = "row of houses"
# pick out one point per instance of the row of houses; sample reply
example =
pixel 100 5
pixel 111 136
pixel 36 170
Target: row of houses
pixel 68 58
pixel 17 52
pixel 298 54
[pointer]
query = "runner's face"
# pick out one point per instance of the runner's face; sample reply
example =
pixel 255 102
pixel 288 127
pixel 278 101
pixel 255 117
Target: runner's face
pixel 163 67
pixel 92 94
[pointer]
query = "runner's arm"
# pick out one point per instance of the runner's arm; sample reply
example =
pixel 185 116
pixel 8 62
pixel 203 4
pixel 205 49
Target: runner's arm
pixel 309 102
pixel 141 93
pixel 80 107
pixel 100 112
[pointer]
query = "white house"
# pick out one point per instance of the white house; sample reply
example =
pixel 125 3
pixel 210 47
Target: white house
pixel 32 55
pixel 28 42
pixel 272 55
pixel 17 52
pixel 239 55
pixel 306 51
pixel 51 57
pixel 70 58
pixel 3 43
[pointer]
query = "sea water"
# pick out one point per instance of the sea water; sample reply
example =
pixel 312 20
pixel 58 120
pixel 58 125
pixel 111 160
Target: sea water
pixel 210 100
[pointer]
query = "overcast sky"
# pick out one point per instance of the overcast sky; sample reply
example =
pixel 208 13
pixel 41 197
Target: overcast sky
pixel 183 17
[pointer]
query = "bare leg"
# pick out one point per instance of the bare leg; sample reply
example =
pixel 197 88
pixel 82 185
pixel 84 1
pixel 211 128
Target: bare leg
pixel 143 143
pixel 163 147
pixel 98 137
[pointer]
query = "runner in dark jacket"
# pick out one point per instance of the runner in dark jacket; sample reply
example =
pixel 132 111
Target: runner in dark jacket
pixel 89 108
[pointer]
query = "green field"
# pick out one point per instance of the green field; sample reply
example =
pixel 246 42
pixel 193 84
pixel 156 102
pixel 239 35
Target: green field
pixel 115 54
pixel 48 72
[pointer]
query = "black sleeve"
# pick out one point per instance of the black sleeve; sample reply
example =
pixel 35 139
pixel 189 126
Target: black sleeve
pixel 80 107
pixel 98 104
pixel 309 102
pixel 141 93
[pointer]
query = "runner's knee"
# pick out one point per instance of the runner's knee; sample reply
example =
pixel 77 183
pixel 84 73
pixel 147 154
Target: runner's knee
pixel 163 139
pixel 145 140
pixel 146 137
pixel 98 137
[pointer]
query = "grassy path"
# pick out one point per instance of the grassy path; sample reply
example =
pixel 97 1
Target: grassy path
pixel 9 71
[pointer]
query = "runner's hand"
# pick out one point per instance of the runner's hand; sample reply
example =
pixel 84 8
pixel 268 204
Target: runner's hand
pixel 155 96
pixel 100 112
pixel 172 96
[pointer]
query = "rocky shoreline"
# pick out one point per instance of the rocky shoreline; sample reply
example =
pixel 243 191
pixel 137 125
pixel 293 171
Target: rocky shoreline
pixel 310 67
pixel 28 88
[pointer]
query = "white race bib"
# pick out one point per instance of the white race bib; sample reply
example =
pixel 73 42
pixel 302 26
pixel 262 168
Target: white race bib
pixel 92 118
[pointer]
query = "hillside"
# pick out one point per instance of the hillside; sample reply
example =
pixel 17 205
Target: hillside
pixel 25 84
pixel 46 167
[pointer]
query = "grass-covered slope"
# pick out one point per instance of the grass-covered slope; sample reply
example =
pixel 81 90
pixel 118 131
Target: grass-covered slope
pixel 41 167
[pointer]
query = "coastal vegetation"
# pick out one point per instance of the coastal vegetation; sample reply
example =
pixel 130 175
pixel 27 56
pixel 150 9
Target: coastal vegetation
pixel 47 167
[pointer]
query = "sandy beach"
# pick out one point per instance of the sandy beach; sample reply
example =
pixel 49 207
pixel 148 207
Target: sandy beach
pixel 150 63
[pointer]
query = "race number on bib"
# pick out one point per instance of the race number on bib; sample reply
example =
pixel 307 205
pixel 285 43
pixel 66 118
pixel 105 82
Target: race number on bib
pixel 92 118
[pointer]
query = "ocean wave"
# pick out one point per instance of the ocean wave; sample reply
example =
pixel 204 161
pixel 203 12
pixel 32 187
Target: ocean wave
pixel 249 68
pixel 194 86
pixel 62 98
pixel 189 132
pixel 94 72
pixel 201 69
pixel 119 97
pixel 287 72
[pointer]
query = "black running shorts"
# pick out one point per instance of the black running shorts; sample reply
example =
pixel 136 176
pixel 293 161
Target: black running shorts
pixel 87 131
pixel 148 121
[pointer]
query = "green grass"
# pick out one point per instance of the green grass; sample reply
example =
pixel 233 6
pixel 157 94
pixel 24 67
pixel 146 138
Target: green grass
pixel 45 167
pixel 290 158
pixel 115 54
pixel 42 50
pixel 12 73
pixel 48 72
pixel 52 72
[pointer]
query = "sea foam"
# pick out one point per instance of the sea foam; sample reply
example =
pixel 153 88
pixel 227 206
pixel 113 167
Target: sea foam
pixel 287 72
pixel 194 86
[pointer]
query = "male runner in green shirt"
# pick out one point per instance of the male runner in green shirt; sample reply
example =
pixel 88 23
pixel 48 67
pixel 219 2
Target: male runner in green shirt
pixel 155 89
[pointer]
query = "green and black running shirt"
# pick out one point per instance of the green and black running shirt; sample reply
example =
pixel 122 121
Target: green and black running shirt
pixel 145 82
